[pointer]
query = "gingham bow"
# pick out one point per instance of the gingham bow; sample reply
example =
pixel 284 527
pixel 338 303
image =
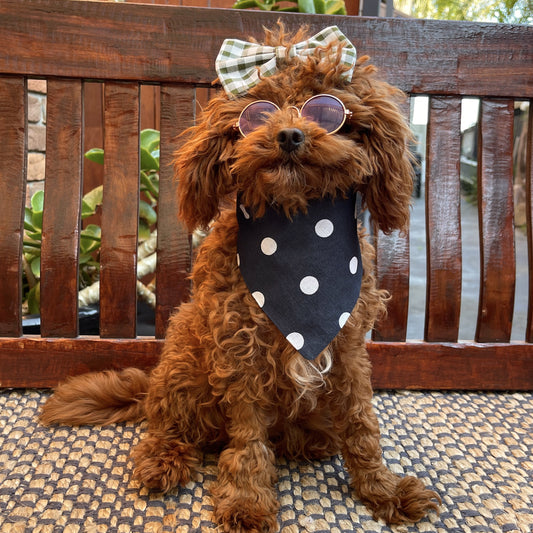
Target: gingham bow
pixel 240 65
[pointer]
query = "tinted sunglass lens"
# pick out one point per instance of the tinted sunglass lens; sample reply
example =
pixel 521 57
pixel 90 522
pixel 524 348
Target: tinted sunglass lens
pixel 255 115
pixel 326 111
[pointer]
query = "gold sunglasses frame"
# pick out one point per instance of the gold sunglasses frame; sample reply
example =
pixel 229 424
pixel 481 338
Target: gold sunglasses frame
pixel 347 112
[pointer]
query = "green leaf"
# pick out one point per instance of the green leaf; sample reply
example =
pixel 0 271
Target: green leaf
pixel 149 139
pixel 144 231
pixel 150 183
pixel 265 6
pixel 90 239
pixel 335 7
pixel 34 298
pixel 36 237
pixel 37 220
pixel 32 246
pixel 27 220
pixel 35 266
pixel 96 155
pixel 245 4
pixel 148 161
pixel 320 6
pixel 306 6
pixel 147 212
pixel 87 260
pixel 37 201
pixel 91 201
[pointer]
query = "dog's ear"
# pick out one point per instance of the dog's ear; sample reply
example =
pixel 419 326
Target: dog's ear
pixel 202 165
pixel 386 138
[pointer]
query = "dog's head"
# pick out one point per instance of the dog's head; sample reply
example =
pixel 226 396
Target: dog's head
pixel 288 159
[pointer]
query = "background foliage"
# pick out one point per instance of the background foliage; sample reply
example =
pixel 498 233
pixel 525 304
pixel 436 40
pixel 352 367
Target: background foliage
pixel 507 11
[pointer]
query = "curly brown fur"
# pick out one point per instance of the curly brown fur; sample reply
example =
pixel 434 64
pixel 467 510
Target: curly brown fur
pixel 227 375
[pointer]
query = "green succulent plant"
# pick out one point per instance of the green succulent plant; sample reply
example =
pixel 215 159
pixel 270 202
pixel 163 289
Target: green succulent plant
pixel 319 7
pixel 90 236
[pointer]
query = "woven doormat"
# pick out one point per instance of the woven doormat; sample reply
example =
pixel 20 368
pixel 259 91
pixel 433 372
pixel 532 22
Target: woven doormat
pixel 475 450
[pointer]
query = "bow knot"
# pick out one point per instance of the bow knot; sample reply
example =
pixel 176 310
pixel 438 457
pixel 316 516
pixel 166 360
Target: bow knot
pixel 240 65
pixel 282 53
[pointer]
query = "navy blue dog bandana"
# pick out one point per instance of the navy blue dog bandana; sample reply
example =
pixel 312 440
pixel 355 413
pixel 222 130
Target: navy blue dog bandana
pixel 305 273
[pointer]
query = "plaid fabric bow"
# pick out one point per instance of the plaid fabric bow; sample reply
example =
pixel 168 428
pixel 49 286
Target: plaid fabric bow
pixel 240 65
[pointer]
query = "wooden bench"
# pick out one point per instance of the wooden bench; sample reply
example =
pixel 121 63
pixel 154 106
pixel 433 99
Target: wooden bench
pixel 70 43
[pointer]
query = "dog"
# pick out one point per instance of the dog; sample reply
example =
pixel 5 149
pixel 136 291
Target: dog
pixel 298 136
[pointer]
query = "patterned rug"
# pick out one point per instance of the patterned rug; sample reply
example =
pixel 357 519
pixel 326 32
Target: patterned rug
pixel 475 450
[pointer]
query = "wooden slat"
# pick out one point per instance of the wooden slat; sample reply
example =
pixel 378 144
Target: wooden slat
pixel 13 182
pixel 529 218
pixel 43 362
pixel 120 211
pixel 412 365
pixel 173 241
pixel 127 43
pixel 62 206
pixel 451 366
pixel 392 271
pixel 496 227
pixel 150 105
pixel 443 220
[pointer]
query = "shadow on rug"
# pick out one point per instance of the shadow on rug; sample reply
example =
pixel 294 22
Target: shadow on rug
pixel 475 450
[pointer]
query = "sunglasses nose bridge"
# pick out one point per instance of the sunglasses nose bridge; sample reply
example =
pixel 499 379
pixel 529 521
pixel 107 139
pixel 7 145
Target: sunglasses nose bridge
pixel 294 109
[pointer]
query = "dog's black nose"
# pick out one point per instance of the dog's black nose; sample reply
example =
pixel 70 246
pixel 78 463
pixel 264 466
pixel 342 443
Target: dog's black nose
pixel 290 138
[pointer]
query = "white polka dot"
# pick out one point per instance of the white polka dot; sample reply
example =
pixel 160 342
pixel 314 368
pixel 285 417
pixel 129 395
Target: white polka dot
pixel 309 285
pixel 269 246
pixel 244 212
pixel 259 297
pixel 324 228
pixel 343 319
pixel 296 340
pixel 354 263
pixel 238 260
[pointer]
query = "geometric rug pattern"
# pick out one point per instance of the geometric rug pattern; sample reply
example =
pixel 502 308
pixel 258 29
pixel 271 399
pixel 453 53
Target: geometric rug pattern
pixel 474 449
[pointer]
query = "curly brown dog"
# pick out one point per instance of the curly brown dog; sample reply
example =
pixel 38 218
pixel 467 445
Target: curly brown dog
pixel 227 374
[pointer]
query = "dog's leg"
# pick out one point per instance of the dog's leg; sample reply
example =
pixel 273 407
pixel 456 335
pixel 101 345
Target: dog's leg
pixel 163 461
pixel 245 499
pixel 388 496
pixel 170 452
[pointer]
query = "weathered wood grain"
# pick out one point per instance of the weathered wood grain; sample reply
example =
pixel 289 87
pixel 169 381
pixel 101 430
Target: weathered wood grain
pixel 392 272
pixel 174 243
pixel 127 45
pixel 443 220
pixel 120 211
pixel 33 361
pixel 13 183
pixel 172 44
pixel 451 366
pixel 412 365
pixel 496 226
pixel 62 209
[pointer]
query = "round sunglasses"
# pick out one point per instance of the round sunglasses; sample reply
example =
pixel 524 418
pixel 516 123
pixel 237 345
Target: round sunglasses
pixel 324 109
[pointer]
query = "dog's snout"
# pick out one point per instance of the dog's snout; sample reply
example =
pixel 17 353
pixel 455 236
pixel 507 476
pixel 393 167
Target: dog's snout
pixel 290 138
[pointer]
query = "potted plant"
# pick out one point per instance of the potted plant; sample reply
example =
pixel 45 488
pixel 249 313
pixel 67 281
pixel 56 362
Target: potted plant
pixel 90 240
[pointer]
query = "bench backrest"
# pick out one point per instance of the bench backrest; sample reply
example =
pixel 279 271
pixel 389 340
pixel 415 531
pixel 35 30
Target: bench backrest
pixel 125 45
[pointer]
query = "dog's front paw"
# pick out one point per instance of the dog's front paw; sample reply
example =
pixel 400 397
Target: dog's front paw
pixel 409 502
pixel 245 513
pixel 162 466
